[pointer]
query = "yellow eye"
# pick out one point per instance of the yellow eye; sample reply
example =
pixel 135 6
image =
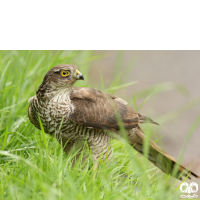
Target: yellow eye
pixel 64 73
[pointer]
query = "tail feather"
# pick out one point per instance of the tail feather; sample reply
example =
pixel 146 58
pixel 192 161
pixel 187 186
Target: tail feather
pixel 160 158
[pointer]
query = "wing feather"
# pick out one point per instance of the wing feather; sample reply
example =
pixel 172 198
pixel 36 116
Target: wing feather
pixel 97 109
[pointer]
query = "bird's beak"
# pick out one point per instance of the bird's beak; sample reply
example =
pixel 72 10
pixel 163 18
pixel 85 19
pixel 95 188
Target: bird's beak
pixel 79 76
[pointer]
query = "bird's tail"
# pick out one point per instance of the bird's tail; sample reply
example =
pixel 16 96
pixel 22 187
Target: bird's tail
pixel 160 158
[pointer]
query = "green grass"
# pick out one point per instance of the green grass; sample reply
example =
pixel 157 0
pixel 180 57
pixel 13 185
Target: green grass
pixel 33 165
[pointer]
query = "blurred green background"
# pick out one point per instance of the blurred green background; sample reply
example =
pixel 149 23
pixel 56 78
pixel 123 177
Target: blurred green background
pixel 160 84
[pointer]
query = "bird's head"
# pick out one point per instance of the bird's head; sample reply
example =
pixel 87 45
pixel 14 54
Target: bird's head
pixel 63 75
pixel 59 78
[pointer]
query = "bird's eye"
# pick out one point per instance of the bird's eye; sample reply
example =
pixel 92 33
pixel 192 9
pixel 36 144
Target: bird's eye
pixel 64 73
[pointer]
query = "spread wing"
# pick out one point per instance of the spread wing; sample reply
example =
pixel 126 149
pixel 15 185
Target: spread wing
pixel 96 109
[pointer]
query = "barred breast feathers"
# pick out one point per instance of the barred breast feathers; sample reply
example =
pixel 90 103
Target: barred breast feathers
pixel 51 111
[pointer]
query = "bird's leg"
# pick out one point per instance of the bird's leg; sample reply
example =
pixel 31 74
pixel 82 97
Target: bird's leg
pixel 99 145
pixel 66 144
pixel 79 148
pixel 69 145
pixel 95 169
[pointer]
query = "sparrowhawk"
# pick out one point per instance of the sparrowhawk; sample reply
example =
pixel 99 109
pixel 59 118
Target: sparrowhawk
pixel 73 114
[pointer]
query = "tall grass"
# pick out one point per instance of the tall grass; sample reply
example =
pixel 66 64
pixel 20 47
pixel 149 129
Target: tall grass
pixel 33 165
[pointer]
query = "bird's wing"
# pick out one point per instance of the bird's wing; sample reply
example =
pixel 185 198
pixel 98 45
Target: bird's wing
pixel 96 109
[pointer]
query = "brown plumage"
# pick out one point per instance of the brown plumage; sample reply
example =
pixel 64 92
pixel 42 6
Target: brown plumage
pixel 79 114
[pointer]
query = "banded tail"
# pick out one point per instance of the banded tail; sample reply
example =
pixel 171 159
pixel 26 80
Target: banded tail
pixel 159 157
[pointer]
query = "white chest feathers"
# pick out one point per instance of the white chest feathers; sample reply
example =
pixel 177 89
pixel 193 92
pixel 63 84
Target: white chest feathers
pixel 60 106
pixel 53 111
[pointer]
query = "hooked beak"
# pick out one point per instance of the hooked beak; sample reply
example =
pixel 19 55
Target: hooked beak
pixel 79 76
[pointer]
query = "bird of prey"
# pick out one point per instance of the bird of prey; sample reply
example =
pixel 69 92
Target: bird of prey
pixel 73 114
